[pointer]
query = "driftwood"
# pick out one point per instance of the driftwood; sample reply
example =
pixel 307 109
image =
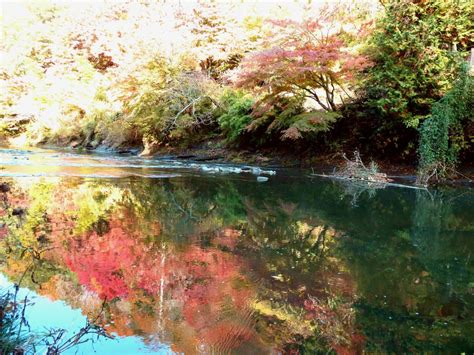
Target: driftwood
pixel 371 184
pixel 355 170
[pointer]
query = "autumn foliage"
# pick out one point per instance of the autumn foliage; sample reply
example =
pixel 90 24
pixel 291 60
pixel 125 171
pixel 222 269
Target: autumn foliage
pixel 106 247
pixel 314 58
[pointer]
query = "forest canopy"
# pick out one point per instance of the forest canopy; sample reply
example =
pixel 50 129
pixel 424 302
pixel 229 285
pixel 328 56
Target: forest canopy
pixel 330 77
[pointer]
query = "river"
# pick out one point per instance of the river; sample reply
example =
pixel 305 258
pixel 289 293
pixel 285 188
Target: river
pixel 171 256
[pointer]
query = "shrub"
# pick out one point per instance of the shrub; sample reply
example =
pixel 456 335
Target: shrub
pixel 165 102
pixel 286 118
pixel 237 116
pixel 442 134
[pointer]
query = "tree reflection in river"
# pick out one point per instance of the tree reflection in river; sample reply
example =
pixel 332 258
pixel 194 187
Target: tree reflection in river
pixel 212 264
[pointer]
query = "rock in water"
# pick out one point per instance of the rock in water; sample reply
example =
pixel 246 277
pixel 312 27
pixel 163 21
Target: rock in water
pixel 4 187
pixel 18 211
pixel 262 178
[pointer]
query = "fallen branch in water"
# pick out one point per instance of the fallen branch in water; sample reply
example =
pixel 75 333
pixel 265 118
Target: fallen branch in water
pixel 356 170
pixel 375 184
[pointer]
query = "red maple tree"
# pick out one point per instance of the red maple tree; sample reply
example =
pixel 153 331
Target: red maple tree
pixel 313 57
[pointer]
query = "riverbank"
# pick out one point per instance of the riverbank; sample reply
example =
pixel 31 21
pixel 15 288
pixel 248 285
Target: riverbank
pixel 322 161
pixel 216 151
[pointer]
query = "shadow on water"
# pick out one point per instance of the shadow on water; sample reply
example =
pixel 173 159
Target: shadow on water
pixel 221 263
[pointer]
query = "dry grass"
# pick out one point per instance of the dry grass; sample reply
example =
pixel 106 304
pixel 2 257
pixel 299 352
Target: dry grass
pixel 355 169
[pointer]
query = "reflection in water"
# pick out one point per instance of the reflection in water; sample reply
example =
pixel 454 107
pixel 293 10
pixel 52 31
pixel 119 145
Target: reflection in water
pixel 213 264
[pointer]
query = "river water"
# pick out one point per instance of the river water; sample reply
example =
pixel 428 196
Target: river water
pixel 169 256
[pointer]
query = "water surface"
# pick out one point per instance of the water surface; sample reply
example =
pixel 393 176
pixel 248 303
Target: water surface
pixel 171 256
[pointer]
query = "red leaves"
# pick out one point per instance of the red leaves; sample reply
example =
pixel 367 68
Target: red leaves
pixel 283 22
pixel 119 264
pixel 314 54
pixel 101 262
pixel 329 56
pixel 3 231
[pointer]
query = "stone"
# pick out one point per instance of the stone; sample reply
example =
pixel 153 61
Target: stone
pixel 4 187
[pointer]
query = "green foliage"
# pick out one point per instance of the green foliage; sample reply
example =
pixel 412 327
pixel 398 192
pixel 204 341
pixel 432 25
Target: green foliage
pixel 286 118
pixel 238 108
pixel 442 134
pixel 416 48
pixel 231 209
pixel 168 103
pixel 83 78
pixel 93 204
pixel 308 124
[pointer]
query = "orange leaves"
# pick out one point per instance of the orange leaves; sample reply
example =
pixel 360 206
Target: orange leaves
pixel 291 133
pixel 313 58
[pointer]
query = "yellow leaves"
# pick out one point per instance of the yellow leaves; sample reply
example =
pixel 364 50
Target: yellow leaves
pixel 93 203
pixel 34 224
pixel 303 227
pixel 294 319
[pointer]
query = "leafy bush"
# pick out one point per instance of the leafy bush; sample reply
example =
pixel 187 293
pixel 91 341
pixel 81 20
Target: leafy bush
pixel 442 134
pixel 286 118
pixel 238 109
pixel 165 102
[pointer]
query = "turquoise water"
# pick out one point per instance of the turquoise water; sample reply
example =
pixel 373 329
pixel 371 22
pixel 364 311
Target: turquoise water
pixel 172 256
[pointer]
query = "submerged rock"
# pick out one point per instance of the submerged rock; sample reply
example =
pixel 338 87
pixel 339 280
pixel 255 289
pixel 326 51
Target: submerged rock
pixel 4 187
pixel 18 211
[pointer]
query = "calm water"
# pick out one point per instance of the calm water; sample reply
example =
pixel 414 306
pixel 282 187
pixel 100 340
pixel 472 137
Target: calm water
pixel 193 258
